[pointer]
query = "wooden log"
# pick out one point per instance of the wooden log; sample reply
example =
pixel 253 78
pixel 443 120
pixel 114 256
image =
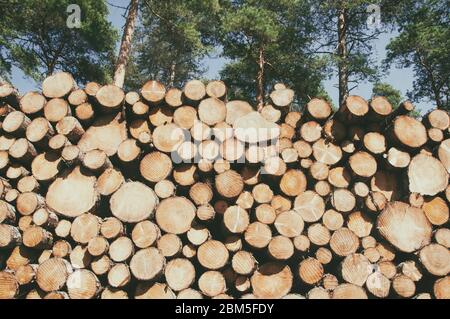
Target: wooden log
pixel 91 89
pixel 318 234
pixel 58 85
pixel 140 266
pixel 101 265
pixel 436 259
pixel 310 271
pixel 404 286
pixel 280 248
pixel 436 210
pixel 282 97
pixel 348 291
pixel 179 274
pixel 153 91
pixel 302 243
pixel 343 200
pixel 84 228
pixel 37 237
pixel 175 215
pixel 216 89
pixel 9 236
pixel 173 97
pixel 212 283
pixel 81 197
pixel 236 219
pixel 96 161
pixel 194 90
pixel 185 174
pixel 97 246
pixel 318 109
pixel 212 111
pixel 327 153
pixel 133 202
pixel 442 237
pixel 319 171
pixel 270 113
pixel 265 214
pixel 39 132
pixel 344 242
pixel 408 131
pixel 56 109
pixel 57 143
pixel 289 224
pixel 62 230
pixel 9 287
pixel 106 134
pixel 25 274
pixel 145 234
pixel 423 166
pixel 311 131
pixel 363 164
pixel 109 181
pixel 354 109
pixel 7 213
pixel 378 285
pixel 437 119
pixel 258 235
pixel 232 150
pixel 243 262
pixel 77 97
pixel 110 98
pixel 83 284
pixel 61 248
pixel 440 288
pixel 167 138
pixel 52 274
pixel 212 254
pixel 380 108
pixel 85 113
pixel 71 128
pixel 15 123
pixel 32 103
pixel 272 280
pixel 229 184
pixel 310 206
pixel 170 245
pixel 185 117
pixel 355 269
pixel 119 275
pixel 121 249
pixel 45 218
pixel 405 227
pixel 164 189
pixel 205 213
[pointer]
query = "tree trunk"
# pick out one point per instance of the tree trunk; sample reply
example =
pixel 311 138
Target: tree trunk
pixel 260 79
pixel 125 46
pixel 343 54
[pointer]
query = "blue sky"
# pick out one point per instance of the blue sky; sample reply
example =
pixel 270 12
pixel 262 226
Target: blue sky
pixel 401 79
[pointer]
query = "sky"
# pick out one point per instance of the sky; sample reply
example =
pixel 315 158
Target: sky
pixel 401 79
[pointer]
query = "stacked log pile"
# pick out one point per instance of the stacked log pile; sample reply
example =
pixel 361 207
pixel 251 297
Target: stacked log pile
pixel 170 193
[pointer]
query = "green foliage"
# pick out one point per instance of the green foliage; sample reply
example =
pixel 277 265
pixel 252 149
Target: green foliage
pixel 173 37
pixel 35 38
pixel 424 44
pixel 393 95
pixel 285 31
